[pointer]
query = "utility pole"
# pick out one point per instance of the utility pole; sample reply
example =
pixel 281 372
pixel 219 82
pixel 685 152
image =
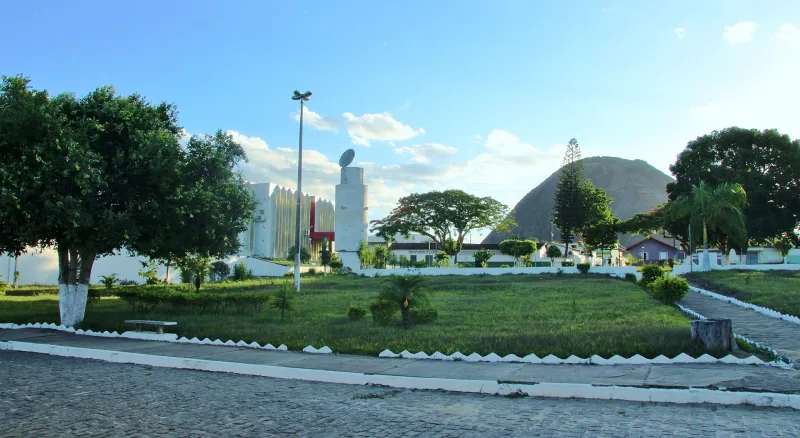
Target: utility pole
pixel 302 98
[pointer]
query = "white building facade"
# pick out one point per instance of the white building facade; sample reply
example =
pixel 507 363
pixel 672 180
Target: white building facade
pixel 271 232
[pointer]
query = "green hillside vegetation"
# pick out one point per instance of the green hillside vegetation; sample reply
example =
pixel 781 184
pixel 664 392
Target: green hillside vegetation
pixel 634 185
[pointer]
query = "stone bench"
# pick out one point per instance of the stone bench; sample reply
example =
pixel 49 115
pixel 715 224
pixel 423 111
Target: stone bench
pixel 159 325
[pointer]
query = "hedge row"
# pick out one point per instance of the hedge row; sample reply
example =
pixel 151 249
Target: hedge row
pixel 148 299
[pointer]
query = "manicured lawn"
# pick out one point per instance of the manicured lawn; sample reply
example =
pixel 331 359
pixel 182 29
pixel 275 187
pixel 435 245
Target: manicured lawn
pixel 539 314
pixel 777 290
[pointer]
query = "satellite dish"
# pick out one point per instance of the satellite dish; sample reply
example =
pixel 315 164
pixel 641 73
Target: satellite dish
pixel 347 158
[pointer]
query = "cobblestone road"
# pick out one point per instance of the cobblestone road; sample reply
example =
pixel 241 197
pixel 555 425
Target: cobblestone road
pixel 783 336
pixel 51 396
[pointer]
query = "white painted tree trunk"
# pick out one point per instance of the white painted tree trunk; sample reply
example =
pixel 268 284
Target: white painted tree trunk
pixel 72 303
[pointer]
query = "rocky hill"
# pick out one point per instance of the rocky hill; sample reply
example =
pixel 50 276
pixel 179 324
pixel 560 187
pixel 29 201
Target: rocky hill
pixel 634 185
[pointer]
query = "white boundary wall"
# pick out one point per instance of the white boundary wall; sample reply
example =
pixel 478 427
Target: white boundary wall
pixel 684 269
pixel 616 271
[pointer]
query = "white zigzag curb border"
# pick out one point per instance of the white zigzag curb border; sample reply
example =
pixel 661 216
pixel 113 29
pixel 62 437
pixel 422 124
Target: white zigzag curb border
pixel 552 390
pixel 162 338
pixel 759 309
pixel 776 363
pixel 636 359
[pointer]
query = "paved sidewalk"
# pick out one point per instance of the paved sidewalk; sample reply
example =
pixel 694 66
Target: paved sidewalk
pixel 783 336
pixel 50 396
pixel 711 376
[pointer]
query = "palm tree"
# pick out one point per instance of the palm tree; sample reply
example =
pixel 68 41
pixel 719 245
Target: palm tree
pixel 714 208
pixel 408 291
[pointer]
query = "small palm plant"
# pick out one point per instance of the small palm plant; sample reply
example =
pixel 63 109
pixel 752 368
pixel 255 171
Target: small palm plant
pixel 408 291
pixel 284 299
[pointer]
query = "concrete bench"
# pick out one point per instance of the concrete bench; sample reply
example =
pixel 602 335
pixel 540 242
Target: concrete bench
pixel 159 325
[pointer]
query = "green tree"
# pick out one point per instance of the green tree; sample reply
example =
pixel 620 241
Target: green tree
pixel 305 256
pixel 407 291
pixel 603 236
pixel 446 217
pixel 517 248
pixel 767 166
pixel 482 257
pixel 717 209
pixel 220 269
pixel 569 197
pixel 101 173
pixel 325 253
pixel 554 252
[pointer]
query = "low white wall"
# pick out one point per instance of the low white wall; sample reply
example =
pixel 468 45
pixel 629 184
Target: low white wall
pixel 774 267
pixel 618 271
pixel 260 268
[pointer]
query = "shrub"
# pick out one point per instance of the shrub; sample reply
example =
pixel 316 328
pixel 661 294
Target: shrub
pixel 3 286
pixel 482 257
pixel 568 263
pixel 305 256
pixel 312 271
pixel 670 289
pixel 21 293
pixel 584 267
pixel 671 262
pixel 128 283
pixel 383 312
pixel 630 277
pixel 661 263
pixel 284 299
pixel 651 273
pixel 241 273
pixel 424 315
pixel 356 313
pixel 108 281
pixel 242 302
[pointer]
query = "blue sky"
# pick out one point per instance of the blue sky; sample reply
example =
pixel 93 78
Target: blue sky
pixel 475 95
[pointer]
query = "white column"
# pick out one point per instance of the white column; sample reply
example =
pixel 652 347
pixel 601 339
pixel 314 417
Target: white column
pixel 351 215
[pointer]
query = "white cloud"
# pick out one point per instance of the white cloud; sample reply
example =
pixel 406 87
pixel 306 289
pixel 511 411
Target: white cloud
pixel 317 121
pixel 478 138
pixel 379 126
pixel 740 33
pixel 362 129
pixel 422 153
pixel 787 33
pixel 680 33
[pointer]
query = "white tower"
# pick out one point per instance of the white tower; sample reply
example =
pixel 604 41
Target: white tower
pixel 350 222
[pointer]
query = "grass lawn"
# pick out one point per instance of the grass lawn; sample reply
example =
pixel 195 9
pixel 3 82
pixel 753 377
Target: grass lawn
pixel 777 290
pixel 541 314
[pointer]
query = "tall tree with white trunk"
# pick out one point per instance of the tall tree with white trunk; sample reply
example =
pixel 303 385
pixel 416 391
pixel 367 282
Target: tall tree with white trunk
pixel 90 176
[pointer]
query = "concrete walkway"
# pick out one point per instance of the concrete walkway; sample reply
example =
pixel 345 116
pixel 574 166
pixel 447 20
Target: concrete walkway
pixel 783 336
pixel 710 376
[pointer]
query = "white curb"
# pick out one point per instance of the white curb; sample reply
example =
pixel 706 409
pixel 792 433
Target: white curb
pixel 552 390
pixel 762 310
pixel 166 337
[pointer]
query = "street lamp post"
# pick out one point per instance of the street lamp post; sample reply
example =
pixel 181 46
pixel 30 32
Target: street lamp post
pixel 302 98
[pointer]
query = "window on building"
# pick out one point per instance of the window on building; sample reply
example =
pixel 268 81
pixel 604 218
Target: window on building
pixel 663 255
pixel 260 211
pixel 429 260
pixel 413 259
pixel 643 256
